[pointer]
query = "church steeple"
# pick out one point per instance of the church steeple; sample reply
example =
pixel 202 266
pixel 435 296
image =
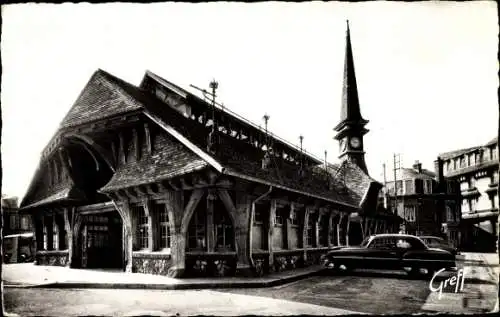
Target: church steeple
pixel 351 128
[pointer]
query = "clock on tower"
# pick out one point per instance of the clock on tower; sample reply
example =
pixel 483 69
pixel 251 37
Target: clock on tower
pixel 355 142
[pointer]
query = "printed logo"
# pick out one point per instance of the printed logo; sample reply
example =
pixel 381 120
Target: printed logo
pixel 455 280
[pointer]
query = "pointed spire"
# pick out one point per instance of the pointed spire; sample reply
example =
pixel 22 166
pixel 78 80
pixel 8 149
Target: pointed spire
pixel 350 110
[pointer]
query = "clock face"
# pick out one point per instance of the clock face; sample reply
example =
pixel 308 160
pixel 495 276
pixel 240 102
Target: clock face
pixel 355 142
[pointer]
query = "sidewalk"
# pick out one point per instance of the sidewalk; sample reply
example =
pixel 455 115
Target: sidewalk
pixel 30 275
pixel 480 267
pixel 480 293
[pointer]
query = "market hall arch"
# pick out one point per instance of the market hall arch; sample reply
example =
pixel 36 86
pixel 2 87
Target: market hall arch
pixel 98 227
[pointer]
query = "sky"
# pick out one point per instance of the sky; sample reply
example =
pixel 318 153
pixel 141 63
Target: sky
pixel 426 71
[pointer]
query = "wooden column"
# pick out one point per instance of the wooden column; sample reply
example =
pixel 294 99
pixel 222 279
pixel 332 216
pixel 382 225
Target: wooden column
pixel 122 155
pixel 270 231
pixel 240 214
pixel 148 211
pixel 317 223
pixel 347 229
pixel 339 226
pixel 69 234
pixel 210 221
pixel 123 208
pixel 287 228
pixel 175 210
pixel 330 229
pixel 304 231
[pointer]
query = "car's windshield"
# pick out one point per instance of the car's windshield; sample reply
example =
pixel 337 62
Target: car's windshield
pixel 365 241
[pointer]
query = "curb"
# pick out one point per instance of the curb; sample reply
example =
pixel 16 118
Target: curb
pixel 180 286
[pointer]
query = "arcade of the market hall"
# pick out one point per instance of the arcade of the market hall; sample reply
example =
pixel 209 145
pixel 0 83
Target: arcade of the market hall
pixel 154 179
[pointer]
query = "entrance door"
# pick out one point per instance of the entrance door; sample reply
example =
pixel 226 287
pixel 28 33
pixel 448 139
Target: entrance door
pixel 102 241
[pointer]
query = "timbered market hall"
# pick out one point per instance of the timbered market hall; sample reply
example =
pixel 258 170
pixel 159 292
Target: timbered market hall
pixel 154 179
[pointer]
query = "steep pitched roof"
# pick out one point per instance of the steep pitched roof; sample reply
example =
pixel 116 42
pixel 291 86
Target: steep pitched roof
pixel 350 111
pixel 104 96
pixel 107 95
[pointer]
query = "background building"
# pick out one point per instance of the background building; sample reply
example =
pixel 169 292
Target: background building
pixel 427 202
pixel 13 221
pixel 476 169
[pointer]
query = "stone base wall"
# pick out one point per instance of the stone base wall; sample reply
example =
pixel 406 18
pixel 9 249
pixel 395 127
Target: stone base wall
pixel 151 263
pixel 56 258
pixel 210 265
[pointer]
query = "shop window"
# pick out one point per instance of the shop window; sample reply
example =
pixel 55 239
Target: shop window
pixel 165 236
pixel 142 229
pixel 311 230
pixel 224 234
pixel 198 230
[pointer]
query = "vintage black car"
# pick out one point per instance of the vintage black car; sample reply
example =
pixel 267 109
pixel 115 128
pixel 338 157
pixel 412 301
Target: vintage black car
pixel 440 243
pixel 390 252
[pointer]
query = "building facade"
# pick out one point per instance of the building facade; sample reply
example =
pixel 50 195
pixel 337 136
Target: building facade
pixel 154 179
pixel 429 204
pixel 13 221
pixel 476 169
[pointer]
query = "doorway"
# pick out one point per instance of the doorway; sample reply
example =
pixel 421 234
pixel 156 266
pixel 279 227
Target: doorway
pixel 101 241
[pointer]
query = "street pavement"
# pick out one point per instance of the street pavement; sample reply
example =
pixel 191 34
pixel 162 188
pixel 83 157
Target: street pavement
pixel 363 291
pixel 107 302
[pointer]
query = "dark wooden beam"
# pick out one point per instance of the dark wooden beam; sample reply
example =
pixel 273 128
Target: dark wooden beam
pixel 121 150
pixel 173 185
pixel 147 135
pixel 184 184
pixel 137 149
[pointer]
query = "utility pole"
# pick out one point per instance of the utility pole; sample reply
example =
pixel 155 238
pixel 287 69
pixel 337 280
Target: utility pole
pixel 386 192
pixel 397 166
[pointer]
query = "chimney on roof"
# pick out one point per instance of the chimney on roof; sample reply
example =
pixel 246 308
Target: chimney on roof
pixel 438 169
pixel 417 166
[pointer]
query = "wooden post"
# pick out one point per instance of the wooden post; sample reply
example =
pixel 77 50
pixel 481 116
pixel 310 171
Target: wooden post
pixel 304 231
pixel 123 208
pixel 289 241
pixel 240 214
pixel 175 209
pixel 211 197
pixel 347 229
pixel 270 231
pixel 148 211
pixel 287 226
pixel 69 234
